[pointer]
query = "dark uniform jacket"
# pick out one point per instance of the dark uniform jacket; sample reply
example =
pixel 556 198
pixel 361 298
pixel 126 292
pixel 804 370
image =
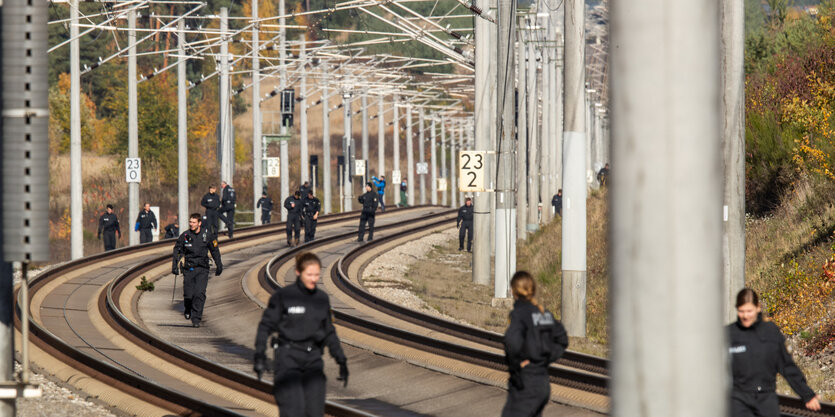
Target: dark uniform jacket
pixel 465 213
pixel 195 246
pixel 228 199
pixel 108 223
pixel 533 335
pixel 172 230
pixel 303 191
pixel 210 201
pixel 758 353
pixel 369 202
pixel 146 220
pixel 301 317
pixel 265 203
pixel 293 211
pixel 311 207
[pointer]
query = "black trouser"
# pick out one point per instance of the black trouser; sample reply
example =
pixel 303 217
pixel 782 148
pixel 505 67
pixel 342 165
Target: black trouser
pixel 294 226
pixel 299 385
pixel 195 281
pixel 465 229
pixel 228 217
pixel 211 220
pixel 146 235
pixel 366 218
pixel 529 401
pixel 109 240
pixel 309 228
pixel 754 404
pixel 265 217
pixel 382 201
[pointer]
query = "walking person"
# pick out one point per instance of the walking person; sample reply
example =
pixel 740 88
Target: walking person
pixel 211 202
pixel 293 204
pixel 603 175
pixel 109 225
pixel 532 341
pixel 369 211
pixel 266 205
pixel 227 207
pixel 758 352
pixel 380 183
pixel 310 212
pixel 404 201
pixel 304 189
pixel 172 230
pixel 556 201
pixel 464 223
pixel 193 246
pixel 301 315
pixel 146 222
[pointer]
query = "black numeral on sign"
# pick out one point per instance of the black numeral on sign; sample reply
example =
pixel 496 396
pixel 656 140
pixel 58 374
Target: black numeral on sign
pixel 472 180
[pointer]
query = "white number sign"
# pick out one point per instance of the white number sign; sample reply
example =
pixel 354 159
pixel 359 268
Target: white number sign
pixel 395 177
pixel 441 184
pixel 422 168
pixel 273 167
pixel 133 170
pixel 471 171
pixel 359 167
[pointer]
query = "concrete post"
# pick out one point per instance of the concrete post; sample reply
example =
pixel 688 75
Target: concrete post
pixel 326 149
pixel 76 184
pixel 667 334
pixel 453 191
pixel 182 130
pixel 533 138
pixel 305 158
pixel 485 87
pixel 365 137
pixel 422 152
pixel 521 139
pixel 548 134
pixel 347 188
pixel 444 172
pixel 733 139
pixel 410 157
pixel 258 180
pixel 395 142
pixel 381 140
pixel 225 156
pixel 433 165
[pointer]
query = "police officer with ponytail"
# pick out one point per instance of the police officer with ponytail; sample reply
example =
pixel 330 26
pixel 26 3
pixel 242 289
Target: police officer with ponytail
pixel 532 341
pixel 301 316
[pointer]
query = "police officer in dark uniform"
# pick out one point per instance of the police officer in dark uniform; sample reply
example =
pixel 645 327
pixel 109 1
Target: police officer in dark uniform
pixel 193 245
pixel 758 352
pixel 227 207
pixel 109 224
pixel 556 201
pixel 532 341
pixel 172 230
pixel 266 205
pixel 464 223
pixel 369 211
pixel 311 216
pixel 293 204
pixel 304 189
pixel 211 201
pixel 146 222
pixel 301 315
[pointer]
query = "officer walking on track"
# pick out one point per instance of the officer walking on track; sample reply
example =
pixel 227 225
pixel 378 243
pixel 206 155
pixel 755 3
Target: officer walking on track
pixel 227 207
pixel 758 352
pixel 293 204
pixel 301 315
pixel 532 341
pixel 172 230
pixel 146 222
pixel 211 201
pixel 109 224
pixel 193 245
pixel 464 223
pixel 369 211
pixel 311 216
pixel 266 205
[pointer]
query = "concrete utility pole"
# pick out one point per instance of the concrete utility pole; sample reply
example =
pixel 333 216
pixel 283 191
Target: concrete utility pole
pixel 258 181
pixel 364 99
pixel 444 173
pixel 733 139
pixel 574 174
pixel 462 146
pixel 422 153
pixel 283 151
pixel 326 147
pixel 433 165
pixel 453 191
pixel 381 140
pixel 305 159
pixel 533 137
pixel 505 178
pixel 667 334
pixel 76 185
pixel 182 129
pixel 556 146
pixel 133 129
pixel 395 141
pixel 227 146
pixel 347 189
pixel 410 158
pixel 521 139
pixel 484 94
pixel 548 134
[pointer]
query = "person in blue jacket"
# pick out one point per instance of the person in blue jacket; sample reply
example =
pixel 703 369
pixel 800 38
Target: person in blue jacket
pixel 380 183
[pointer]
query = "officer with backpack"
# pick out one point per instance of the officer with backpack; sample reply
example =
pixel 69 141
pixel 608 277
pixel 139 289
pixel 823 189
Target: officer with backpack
pixel 369 211
pixel 532 341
